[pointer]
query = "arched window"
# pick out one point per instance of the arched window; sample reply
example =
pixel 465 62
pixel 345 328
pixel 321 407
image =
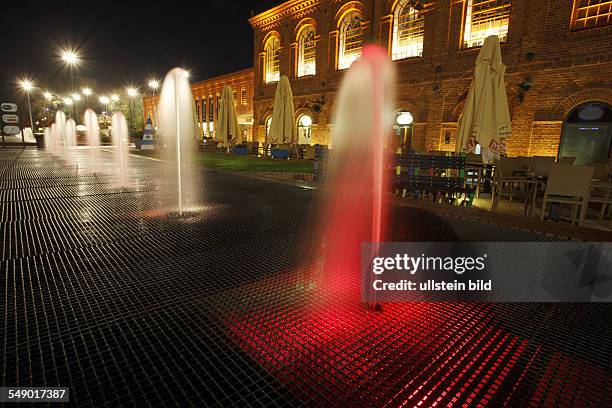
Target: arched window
pixel 271 60
pixel 484 18
pixel 591 14
pixel 351 39
pixel 408 30
pixel 268 125
pixel 307 52
pixel 304 129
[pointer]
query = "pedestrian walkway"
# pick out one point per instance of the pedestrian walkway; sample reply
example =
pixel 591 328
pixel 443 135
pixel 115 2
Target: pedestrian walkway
pixel 103 292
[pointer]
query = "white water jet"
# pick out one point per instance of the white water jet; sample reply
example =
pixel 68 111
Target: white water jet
pixel 60 132
pixel 70 141
pixel 177 124
pixel 120 139
pixel 28 136
pixel 47 139
pixel 93 135
pixel 53 137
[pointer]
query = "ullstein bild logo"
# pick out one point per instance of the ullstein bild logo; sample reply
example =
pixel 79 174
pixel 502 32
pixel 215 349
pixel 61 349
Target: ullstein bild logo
pixel 487 271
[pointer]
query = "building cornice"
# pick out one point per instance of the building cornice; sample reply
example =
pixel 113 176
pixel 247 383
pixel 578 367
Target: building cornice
pixel 296 8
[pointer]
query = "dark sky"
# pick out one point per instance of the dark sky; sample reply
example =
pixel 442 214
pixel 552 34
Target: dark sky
pixel 123 42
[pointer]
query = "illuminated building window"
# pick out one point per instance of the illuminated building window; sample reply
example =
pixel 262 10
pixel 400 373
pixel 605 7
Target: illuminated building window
pixel 210 109
pixel 351 39
pixel 211 118
pixel 408 31
pixel 203 102
pixel 484 18
pixel 268 125
pixel 307 52
pixel 591 14
pixel 304 129
pixel 271 60
pixel 244 97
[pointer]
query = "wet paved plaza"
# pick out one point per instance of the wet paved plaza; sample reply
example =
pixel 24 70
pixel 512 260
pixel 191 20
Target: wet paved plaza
pixel 104 293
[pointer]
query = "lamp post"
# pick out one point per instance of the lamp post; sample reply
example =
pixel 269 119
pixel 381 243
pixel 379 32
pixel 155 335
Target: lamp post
pixel 114 99
pixel 87 92
pixel 71 59
pixel 405 121
pixel 27 86
pixel 104 100
pixel 132 93
pixel 154 84
pixel 76 97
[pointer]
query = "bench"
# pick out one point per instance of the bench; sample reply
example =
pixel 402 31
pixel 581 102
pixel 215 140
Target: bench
pixel 442 177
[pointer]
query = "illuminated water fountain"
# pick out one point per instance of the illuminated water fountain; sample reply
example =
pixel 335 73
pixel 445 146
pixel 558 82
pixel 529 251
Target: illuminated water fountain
pixel 47 138
pixel 60 132
pixel 28 136
pixel 93 135
pixel 354 212
pixel 177 124
pixel 70 141
pixel 120 137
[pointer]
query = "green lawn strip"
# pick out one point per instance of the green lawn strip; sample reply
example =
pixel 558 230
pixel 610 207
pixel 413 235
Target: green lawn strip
pixel 225 162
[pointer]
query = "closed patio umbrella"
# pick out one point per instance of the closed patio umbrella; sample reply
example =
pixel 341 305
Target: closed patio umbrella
pixel 486 117
pixel 227 126
pixel 282 129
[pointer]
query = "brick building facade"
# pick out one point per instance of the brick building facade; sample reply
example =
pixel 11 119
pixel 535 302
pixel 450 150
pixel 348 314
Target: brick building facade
pixel 558 53
pixel 207 95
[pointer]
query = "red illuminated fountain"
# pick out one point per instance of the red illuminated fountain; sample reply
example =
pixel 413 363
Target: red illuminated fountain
pixel 309 328
pixel 354 212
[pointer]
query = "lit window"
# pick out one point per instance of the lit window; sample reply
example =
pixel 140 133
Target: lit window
pixel 484 18
pixel 203 102
pixel 243 97
pixel 591 14
pixel 268 125
pixel 408 29
pixel 272 63
pixel 210 109
pixel 351 39
pixel 304 129
pixel 307 52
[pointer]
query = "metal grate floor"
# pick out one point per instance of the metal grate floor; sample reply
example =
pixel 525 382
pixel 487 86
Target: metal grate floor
pixel 102 293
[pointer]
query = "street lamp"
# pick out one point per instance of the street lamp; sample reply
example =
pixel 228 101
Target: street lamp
pixel 132 93
pixel 114 98
pixel 87 92
pixel 104 101
pixel 27 86
pixel 154 84
pixel 404 122
pixel 71 59
pixel 48 96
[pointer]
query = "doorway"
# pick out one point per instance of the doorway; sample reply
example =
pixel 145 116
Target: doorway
pixel 587 133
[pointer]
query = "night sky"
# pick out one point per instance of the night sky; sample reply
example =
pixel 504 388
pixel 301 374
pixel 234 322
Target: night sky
pixel 125 42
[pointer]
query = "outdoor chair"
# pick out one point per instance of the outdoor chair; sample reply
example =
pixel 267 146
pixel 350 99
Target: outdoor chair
pixel 540 166
pixel 310 153
pixel 569 185
pixel 509 175
pixel 602 172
